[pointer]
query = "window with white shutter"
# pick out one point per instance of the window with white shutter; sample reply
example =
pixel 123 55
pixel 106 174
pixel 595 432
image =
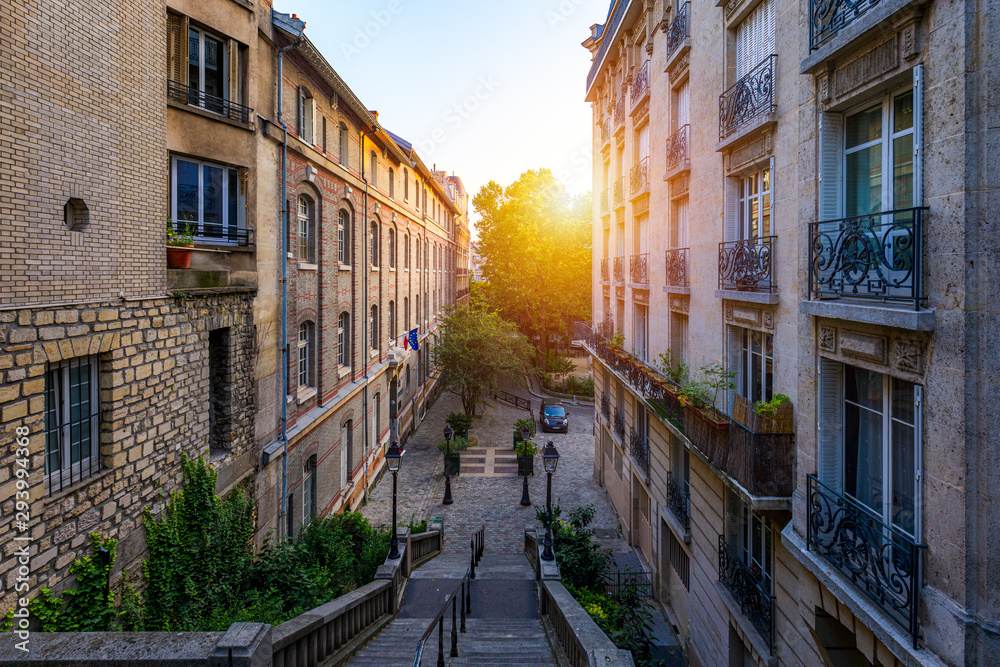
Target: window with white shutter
pixel 755 38
pixel 684 104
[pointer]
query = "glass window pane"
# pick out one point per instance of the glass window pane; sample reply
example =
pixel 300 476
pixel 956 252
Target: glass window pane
pixel 765 214
pixel 902 172
pixel 187 191
pixel 233 202
pixel 863 387
pixel 902 112
pixel 864 126
pixel 864 181
pixel 902 401
pixel 213 200
pixel 863 456
pixel 194 59
pixel 213 67
pixel 903 477
pixel 52 434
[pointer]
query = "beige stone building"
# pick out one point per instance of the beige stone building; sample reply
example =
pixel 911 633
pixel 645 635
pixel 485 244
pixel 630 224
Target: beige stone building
pixel 794 195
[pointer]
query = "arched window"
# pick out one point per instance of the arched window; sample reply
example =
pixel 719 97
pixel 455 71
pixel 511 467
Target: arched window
pixel 309 491
pixel 393 332
pixel 392 248
pixel 374 244
pixel 373 168
pixel 344 339
pixel 392 183
pixel 304 117
pixel 406 251
pixel 306 351
pixel 416 247
pixel 406 314
pixel 343 144
pixel 373 326
pixel 344 237
pixel 406 184
pixel 307 230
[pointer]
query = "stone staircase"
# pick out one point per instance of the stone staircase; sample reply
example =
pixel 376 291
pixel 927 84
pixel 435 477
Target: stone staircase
pixel 502 628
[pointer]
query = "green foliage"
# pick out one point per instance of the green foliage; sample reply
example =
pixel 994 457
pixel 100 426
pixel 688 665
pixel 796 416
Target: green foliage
pixel 558 364
pixel 478 352
pixel 459 423
pixel 617 340
pixel 527 448
pixel 571 384
pixel 458 444
pixel 770 408
pixel 703 391
pixel 521 423
pixel 676 370
pixel 177 237
pixel 415 526
pixel 580 559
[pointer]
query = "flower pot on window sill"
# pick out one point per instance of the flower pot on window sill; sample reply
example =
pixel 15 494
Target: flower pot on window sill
pixel 179 257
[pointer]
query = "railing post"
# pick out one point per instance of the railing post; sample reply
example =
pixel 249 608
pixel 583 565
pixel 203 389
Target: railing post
pixel 468 596
pixel 473 556
pixel 464 593
pixel 454 630
pixel 441 641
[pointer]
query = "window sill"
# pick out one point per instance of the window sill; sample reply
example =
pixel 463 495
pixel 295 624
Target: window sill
pixel 304 394
pixel 899 318
pixel 769 298
pixel 69 490
pixel 372 353
pixel 392 269
pixel 210 115
pixel 345 267
pixel 755 126
pixel 306 266
pixel 850 36
pixel 343 372
pixel 373 267
pixel 676 289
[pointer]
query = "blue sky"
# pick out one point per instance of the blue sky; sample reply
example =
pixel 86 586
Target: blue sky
pixel 484 89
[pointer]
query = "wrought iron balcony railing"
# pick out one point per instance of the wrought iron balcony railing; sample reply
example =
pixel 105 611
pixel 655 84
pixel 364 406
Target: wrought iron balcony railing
pixel 828 17
pixel 605 273
pixel 639 450
pixel 876 256
pixel 619 269
pixel 610 28
pixel 605 131
pixel 619 424
pixel 761 462
pixel 219 233
pixel 749 98
pixel 679 501
pixel 677 267
pixel 749 588
pixel 639 268
pixel 620 111
pixel 678 148
pixel 882 561
pixel 747 265
pixel 680 28
pixel 639 176
pixel 619 198
pixel 604 201
pixel 196 98
pixel 605 406
pixel 640 84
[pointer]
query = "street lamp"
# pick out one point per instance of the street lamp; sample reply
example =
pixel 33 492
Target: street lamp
pixel 525 435
pixel 447 462
pixel 393 458
pixel 550 459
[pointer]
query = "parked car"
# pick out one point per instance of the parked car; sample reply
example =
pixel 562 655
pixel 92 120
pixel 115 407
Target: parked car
pixel 553 417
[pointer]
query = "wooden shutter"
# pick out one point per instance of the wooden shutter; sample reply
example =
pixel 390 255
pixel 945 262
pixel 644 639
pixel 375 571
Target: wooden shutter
pixel 918 135
pixel 831 134
pixel 644 142
pixel 684 105
pixel 731 227
pixel 732 520
pixel 734 356
pixel 234 71
pixel 831 423
pixel 300 111
pixel 683 224
pixel 177 48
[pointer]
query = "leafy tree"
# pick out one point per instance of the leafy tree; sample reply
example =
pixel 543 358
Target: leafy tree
pixel 536 245
pixel 478 351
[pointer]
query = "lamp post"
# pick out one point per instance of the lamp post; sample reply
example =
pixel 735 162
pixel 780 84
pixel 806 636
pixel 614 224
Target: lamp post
pixel 447 462
pixel 393 458
pixel 525 435
pixel 550 459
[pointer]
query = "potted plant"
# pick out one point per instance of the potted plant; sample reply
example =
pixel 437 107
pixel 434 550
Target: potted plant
pixel 521 423
pixel 179 246
pixel 526 450
pixel 702 393
pixel 460 423
pixel 454 462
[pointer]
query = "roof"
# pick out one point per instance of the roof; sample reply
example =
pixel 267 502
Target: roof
pixel 401 142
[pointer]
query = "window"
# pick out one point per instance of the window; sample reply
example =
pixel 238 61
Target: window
pixel 679 337
pixel 749 538
pixel 309 491
pixel 305 355
pixel 207 199
pixel 416 246
pixel 751 356
pixel 344 237
pixel 304 115
pixel 72 422
pixel 374 244
pixel 641 330
pixel 349 453
pixel 406 313
pixel 220 389
pixel 755 38
pixel 344 339
pixel 208 70
pixel 324 133
pixel 392 320
pixel 406 250
pixel 878 156
pixel 754 205
pixel 679 560
pixel 392 248
pixel 406 184
pixel 373 168
pixel 392 183
pixel 377 418
pixel 373 326
pixel 290 516
pixel 875 456
pixel 307 230
pixel 343 145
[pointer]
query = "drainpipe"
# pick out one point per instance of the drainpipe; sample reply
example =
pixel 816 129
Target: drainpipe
pixel 364 316
pixel 283 213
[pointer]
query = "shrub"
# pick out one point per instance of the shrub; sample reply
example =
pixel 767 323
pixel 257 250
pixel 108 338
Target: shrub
pixel 460 423
pixel 458 444
pixel 521 423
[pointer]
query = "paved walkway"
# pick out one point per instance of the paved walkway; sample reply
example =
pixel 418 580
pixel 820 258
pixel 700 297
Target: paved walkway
pixel 494 500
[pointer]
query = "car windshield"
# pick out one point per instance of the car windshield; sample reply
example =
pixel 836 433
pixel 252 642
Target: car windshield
pixel 555 411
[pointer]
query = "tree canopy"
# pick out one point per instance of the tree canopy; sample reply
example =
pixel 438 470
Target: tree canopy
pixel 478 352
pixel 535 240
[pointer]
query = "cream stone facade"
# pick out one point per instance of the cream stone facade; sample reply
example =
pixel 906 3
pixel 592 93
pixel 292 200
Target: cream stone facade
pixel 796 192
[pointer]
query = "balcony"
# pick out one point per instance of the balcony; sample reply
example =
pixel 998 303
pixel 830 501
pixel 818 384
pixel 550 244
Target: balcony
pixel 761 450
pixel 678 151
pixel 619 424
pixel 639 268
pixel 605 406
pixel 605 274
pixel 678 501
pixel 880 560
pixel 677 267
pixel 620 114
pixel 619 199
pixel 639 450
pixel 195 98
pixel 748 589
pixel 747 265
pixel 874 257
pixel 619 269
pixel 605 132
pixel 640 85
pixel 639 178
pixel 604 202
pixel 749 99
pixel 828 17
pixel 679 30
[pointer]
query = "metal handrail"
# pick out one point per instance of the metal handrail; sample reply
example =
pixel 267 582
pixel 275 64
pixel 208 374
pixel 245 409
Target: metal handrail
pixel 465 585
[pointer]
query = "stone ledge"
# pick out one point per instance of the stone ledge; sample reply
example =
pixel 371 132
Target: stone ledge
pixel 767 120
pixel 913 320
pixel 675 525
pixel 678 53
pixel 685 166
pixel 674 289
pixel 769 298
pixel 183 279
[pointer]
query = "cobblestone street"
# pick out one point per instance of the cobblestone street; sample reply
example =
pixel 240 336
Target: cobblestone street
pixel 494 501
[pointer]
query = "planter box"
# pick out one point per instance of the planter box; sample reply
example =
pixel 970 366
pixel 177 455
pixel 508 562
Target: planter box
pixel 453 464
pixel 525 465
pixel 708 430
